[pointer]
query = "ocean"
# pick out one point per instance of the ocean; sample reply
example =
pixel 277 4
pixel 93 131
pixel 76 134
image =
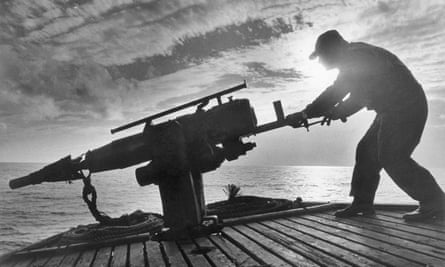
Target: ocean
pixel 35 212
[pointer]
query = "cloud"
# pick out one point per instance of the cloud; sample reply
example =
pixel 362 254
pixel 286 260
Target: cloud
pixel 38 87
pixel 120 32
pixel 263 76
pixel 83 59
pixel 260 76
pixel 92 63
pixel 110 46
pixel 3 127
pixel 194 50
pixel 19 106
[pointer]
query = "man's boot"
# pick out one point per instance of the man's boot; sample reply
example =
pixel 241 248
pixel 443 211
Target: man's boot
pixel 427 211
pixel 356 208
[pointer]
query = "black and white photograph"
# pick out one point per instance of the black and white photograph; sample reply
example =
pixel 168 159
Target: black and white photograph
pixel 208 133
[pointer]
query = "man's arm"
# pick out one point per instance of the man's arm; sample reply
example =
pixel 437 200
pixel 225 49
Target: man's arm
pixel 345 109
pixel 325 101
pixel 321 106
pixel 348 81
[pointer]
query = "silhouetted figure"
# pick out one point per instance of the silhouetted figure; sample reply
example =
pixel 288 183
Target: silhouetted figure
pixel 375 78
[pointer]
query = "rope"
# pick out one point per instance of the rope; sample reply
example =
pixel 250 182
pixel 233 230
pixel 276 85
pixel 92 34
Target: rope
pixel 101 217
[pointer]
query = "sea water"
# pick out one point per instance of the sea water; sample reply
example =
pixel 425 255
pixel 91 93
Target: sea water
pixel 35 212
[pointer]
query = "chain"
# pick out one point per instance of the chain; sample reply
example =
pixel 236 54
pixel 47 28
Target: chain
pixel 101 217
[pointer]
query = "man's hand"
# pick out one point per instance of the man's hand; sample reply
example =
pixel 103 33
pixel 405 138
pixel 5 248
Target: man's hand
pixel 334 114
pixel 297 119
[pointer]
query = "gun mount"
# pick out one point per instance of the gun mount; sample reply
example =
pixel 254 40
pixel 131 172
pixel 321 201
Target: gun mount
pixel 179 151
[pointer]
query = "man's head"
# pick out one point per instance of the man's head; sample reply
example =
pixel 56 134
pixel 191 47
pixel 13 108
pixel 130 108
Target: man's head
pixel 329 48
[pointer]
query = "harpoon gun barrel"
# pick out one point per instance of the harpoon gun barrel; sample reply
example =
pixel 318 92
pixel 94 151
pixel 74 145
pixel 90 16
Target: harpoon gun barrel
pixel 119 154
pixel 60 170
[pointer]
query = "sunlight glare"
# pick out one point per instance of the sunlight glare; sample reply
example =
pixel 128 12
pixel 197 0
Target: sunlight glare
pixel 318 76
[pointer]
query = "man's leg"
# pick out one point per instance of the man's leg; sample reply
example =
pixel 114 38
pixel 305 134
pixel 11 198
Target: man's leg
pixel 397 139
pixel 366 174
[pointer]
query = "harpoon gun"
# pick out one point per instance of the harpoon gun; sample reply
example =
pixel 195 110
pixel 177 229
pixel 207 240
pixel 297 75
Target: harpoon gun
pixel 178 150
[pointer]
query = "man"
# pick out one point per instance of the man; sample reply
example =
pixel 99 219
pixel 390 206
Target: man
pixel 372 77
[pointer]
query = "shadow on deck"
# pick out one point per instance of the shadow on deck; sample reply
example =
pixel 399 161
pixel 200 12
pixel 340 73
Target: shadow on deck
pixel 303 238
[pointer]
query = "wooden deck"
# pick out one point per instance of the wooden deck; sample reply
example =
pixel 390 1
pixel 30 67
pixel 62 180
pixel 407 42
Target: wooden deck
pixel 315 239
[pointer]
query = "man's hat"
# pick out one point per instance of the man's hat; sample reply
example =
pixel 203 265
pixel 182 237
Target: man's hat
pixel 326 42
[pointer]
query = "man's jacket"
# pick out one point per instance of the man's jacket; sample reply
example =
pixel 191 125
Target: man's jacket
pixel 374 78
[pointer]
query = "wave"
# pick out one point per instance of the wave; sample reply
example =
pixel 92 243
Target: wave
pixel 60 213
pixel 6 228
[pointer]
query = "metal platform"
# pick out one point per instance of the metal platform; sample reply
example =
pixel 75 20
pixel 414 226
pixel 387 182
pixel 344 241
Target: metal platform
pixel 300 237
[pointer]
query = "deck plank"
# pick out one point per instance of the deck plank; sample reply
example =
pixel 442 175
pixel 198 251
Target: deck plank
pixel 344 230
pixel 216 256
pixel 154 254
pixel 234 253
pixel 341 240
pixel 136 255
pixel 40 261
pixel 435 225
pixel 23 262
pixel 380 227
pixel 413 250
pixel 119 256
pixel 399 213
pixel 8 263
pixel 253 249
pixel 55 260
pixel 70 259
pixel 329 248
pixel 193 253
pixel 306 240
pixel 102 258
pixel 401 225
pixel 275 247
pixel 86 258
pixel 173 255
pixel 312 253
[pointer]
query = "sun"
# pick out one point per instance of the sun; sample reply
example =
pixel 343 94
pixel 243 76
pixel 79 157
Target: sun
pixel 318 76
pixel 299 46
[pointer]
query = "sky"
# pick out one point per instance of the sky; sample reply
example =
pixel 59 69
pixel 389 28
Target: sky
pixel 70 70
